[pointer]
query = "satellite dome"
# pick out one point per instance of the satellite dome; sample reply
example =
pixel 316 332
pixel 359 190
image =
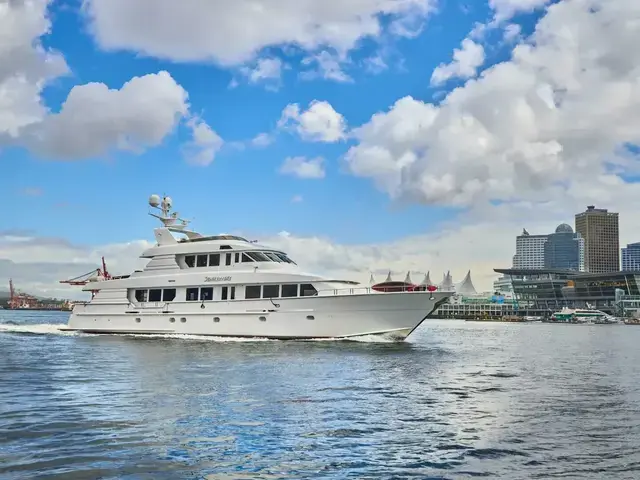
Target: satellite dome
pixel 154 200
pixel 564 228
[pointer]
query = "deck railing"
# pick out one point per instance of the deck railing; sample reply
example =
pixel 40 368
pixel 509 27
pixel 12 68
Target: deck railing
pixel 368 290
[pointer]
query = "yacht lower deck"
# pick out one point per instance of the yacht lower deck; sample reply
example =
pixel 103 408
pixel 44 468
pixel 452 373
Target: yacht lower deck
pixel 394 315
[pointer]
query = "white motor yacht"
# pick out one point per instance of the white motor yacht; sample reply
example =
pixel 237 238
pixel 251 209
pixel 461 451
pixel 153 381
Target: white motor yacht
pixel 225 285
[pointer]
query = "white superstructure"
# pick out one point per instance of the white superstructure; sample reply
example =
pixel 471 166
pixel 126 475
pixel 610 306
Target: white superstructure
pixel 225 285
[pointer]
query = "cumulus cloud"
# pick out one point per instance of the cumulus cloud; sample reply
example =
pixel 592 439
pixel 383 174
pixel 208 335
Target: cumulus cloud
pixel 95 118
pixel 266 71
pixel 328 66
pixel 551 122
pixel 205 144
pixel 25 65
pixel 466 61
pixel 262 140
pixel 302 168
pixel 319 123
pixel 233 33
pixel 506 9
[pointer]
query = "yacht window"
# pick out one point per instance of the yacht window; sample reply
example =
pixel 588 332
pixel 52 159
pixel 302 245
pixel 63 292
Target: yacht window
pixel 252 291
pixel 214 260
pixel 228 259
pixel 308 290
pixel 246 258
pixel 237 259
pixel 270 291
pixel 225 247
pixel 290 290
pixel 233 293
pixel 155 295
pixel 192 294
pixel 202 260
pixel 273 257
pixel 223 294
pixel 141 295
pixel 190 260
pixel 168 294
pixel 258 256
pixel 284 258
pixel 206 293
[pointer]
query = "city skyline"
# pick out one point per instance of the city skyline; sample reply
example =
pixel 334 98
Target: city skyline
pixel 596 235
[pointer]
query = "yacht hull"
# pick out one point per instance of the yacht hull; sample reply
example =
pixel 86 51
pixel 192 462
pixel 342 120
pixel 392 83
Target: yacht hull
pixel 391 315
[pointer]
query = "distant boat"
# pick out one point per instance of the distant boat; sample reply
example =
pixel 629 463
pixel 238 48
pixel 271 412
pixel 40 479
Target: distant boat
pixel 580 315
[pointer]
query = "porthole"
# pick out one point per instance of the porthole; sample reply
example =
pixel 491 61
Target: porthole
pixel 138 320
pixel 216 319
pixel 172 320
pixel 183 320
pixel 263 319
pixel 310 317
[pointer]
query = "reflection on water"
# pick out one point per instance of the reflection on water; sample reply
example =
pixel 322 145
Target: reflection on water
pixel 458 400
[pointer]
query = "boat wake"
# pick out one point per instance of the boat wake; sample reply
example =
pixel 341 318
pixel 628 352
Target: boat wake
pixel 35 329
pixel 59 329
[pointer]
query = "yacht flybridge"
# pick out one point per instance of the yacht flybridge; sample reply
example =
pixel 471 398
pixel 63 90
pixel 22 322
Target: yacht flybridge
pixel 225 285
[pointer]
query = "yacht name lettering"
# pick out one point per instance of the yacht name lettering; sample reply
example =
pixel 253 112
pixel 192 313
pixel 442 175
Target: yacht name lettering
pixel 217 279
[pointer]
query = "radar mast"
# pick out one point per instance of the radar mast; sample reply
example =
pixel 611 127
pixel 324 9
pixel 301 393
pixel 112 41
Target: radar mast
pixel 170 220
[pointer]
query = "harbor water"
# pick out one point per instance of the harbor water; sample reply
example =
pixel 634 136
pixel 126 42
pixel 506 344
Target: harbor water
pixel 457 400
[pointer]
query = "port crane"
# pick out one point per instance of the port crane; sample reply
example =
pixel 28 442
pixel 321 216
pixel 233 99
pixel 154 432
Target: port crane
pixel 93 276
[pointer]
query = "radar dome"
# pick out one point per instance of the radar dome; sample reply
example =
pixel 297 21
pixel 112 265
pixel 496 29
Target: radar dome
pixel 564 228
pixel 154 200
pixel 168 203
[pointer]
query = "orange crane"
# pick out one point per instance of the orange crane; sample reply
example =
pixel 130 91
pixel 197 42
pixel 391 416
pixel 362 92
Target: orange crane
pixel 92 276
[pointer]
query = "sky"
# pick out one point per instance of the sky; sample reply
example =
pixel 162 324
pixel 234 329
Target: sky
pixel 362 136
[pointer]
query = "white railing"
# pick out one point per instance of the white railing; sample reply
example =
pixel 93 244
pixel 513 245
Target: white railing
pixel 143 305
pixel 367 290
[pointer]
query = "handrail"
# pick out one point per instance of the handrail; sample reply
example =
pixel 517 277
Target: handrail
pixel 367 290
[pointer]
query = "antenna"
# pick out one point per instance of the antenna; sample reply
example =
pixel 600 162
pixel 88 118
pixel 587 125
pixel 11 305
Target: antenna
pixel 168 218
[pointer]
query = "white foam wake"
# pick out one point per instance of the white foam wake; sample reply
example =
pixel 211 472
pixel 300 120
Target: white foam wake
pixel 36 329
pixel 56 329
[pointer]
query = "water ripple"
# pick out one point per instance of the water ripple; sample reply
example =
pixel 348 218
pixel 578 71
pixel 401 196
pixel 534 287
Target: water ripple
pixel 459 400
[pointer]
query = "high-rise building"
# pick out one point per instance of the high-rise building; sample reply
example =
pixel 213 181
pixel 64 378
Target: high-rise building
pixel 529 251
pixel 599 228
pixel 564 249
pixel 631 257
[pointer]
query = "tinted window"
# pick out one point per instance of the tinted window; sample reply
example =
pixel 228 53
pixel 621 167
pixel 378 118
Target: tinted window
pixel 141 295
pixel 252 291
pixel 190 260
pixel 290 290
pixel 228 259
pixel 192 294
pixel 284 258
pixel 246 258
pixel 206 293
pixel 224 292
pixel 270 291
pixel 233 293
pixel 258 256
pixel 307 290
pixel 214 260
pixel 168 294
pixel 273 257
pixel 155 295
pixel 225 247
pixel 202 260
pixel 237 260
